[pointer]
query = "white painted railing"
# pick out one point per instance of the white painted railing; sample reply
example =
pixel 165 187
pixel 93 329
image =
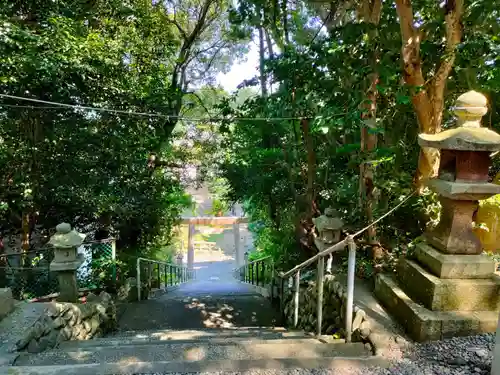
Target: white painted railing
pixel 160 272
pixel 254 272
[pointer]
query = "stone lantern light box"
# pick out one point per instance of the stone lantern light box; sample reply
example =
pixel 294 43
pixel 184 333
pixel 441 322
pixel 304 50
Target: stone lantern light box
pixel 329 226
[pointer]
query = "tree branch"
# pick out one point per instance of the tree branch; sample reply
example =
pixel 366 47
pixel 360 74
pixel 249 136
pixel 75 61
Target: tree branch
pixel 412 64
pixel 181 30
pixel 454 30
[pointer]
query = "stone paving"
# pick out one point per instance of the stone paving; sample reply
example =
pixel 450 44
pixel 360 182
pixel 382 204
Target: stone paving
pixel 214 299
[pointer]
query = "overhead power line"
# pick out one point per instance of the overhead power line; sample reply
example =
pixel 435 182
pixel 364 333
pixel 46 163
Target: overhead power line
pixel 54 105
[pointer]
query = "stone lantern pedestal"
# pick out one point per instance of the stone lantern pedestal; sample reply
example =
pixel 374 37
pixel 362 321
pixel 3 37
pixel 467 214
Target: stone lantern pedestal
pixel 448 288
pixel 66 261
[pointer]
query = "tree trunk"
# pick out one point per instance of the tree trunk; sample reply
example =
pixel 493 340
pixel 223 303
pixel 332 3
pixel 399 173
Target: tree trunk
pixel 25 240
pixel 369 11
pixel 263 84
pixel 311 169
pixel 428 95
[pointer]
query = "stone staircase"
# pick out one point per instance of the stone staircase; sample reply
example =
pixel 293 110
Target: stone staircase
pixel 198 350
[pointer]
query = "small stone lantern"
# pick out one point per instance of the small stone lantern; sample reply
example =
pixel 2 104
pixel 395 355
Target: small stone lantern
pixel 179 259
pixel 329 227
pixel 66 260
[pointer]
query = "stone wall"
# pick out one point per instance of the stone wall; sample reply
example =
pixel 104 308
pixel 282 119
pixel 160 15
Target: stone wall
pixel 334 307
pixel 70 321
pixel 6 302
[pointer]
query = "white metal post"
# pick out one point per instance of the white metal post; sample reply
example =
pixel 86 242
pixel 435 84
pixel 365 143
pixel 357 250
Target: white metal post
pixel 237 248
pixel 351 263
pixel 113 249
pixel 320 283
pixel 296 299
pixel 190 249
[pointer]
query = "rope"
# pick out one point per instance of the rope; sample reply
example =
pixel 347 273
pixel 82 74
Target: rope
pixel 340 245
pixel 146 114
pixel 385 215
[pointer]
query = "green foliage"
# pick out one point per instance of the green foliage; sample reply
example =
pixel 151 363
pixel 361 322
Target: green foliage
pixel 280 171
pixel 89 168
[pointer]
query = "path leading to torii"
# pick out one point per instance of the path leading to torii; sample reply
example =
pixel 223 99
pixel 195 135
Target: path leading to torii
pixel 214 300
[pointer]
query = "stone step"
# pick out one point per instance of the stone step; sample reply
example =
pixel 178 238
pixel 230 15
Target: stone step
pixel 189 352
pixel 424 324
pixel 146 340
pixel 257 366
pixel 447 294
pixel 206 334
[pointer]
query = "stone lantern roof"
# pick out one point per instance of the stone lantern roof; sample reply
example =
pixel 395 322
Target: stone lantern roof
pixel 66 237
pixel 469 135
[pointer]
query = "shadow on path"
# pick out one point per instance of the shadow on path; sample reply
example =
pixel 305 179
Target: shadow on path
pixel 214 300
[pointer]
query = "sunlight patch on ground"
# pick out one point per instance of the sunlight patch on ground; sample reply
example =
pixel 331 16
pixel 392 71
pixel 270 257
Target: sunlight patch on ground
pixel 128 360
pixel 220 318
pixel 194 354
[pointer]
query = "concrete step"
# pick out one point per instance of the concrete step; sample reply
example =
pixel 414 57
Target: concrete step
pixel 229 340
pixel 195 351
pixel 257 366
pixel 207 334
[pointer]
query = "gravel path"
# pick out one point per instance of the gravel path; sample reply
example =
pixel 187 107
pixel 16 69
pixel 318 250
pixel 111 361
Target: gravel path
pixel 456 356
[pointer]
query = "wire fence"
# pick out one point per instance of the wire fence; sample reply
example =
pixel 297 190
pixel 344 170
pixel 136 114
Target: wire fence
pixel 29 276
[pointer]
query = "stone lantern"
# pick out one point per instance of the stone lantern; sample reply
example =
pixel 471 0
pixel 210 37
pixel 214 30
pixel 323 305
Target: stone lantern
pixel 329 227
pixel 66 260
pixel 448 288
pixel 463 175
pixel 180 257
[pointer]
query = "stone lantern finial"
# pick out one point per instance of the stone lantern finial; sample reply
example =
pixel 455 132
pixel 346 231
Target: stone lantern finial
pixel 470 108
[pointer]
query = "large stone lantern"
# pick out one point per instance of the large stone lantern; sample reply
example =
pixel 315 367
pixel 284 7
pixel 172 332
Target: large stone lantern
pixel 66 260
pixel 463 175
pixel 448 288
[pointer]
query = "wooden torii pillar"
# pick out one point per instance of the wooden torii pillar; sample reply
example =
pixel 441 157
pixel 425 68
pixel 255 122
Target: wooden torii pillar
pixel 235 221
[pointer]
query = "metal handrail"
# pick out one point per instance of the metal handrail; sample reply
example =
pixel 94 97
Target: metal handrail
pixel 257 260
pixel 320 258
pixel 338 246
pixel 186 273
pixel 252 262
pixel 249 271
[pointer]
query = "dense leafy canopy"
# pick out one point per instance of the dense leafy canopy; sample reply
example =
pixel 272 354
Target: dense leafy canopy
pixel 89 168
pixel 353 106
pixel 331 119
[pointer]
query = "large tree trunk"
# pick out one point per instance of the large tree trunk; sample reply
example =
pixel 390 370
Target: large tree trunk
pixel 369 11
pixel 263 83
pixel 428 95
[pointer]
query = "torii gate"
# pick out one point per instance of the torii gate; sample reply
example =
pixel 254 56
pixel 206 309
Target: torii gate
pixel 225 220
